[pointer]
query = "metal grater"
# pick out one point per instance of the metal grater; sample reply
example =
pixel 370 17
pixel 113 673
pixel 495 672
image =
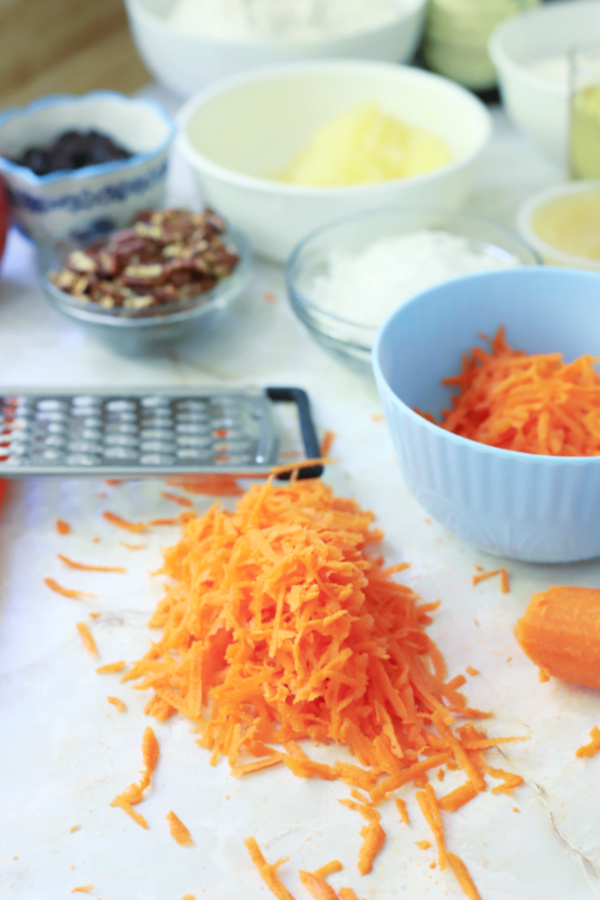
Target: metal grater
pixel 147 433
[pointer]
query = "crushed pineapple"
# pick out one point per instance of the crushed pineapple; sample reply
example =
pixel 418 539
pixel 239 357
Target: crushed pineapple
pixel 363 146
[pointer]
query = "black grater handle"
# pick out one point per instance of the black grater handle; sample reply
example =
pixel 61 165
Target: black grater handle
pixel 310 440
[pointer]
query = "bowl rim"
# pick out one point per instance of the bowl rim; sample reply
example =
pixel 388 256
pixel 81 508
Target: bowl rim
pixel 505 63
pixel 65 99
pixel 374 212
pixel 270 73
pixel 468 444
pixel 140 10
pixel 69 306
pixel 527 210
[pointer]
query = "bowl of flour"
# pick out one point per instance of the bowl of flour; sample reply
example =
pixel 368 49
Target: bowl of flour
pixel 188 44
pixel 346 279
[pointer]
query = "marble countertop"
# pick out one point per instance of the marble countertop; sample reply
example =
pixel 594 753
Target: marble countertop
pixel 65 752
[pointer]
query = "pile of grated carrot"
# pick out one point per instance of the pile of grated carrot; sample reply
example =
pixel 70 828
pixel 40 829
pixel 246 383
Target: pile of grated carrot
pixel 283 623
pixel 532 404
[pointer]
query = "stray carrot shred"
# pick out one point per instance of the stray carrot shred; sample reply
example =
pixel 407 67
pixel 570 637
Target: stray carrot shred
pixel 510 782
pixel 483 576
pixel 462 876
pixel 111 667
pixel 83 567
pixel 63 527
pixel 136 527
pixel 317 886
pixel 401 807
pixel 132 546
pixel 423 845
pixel 457 798
pixel 431 811
pixel 86 638
pixel 268 871
pixel 374 839
pixel 134 794
pixel 84 889
pixel 175 498
pixel 329 868
pixel 441 775
pixel 179 831
pixel 117 703
pixel 326 443
pixel 347 894
pixel 471 671
pixel 67 592
pixel 526 403
pixel 94 615
pixel 74 828
pixel 188 897
pixel 589 750
pixel 543 674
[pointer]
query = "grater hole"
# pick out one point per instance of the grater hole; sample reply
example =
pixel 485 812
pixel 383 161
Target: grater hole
pixel 120 453
pixel 120 406
pixel 156 459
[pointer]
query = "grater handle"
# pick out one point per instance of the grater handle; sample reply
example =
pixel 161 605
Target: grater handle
pixel 308 431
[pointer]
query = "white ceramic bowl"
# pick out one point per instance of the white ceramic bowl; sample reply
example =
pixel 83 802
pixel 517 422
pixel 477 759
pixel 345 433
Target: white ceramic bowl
pixel 185 63
pixel 551 255
pixel 90 202
pixel 537 105
pixel 236 133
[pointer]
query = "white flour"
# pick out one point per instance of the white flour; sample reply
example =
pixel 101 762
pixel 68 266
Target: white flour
pixel 283 19
pixel 368 286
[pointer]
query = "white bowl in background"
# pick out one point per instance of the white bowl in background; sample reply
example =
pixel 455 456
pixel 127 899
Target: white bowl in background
pixel 185 63
pixel 539 105
pixel 552 255
pixel 237 132
pixel 86 203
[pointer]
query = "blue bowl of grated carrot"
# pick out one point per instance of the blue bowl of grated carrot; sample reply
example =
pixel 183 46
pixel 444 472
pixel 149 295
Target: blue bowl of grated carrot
pixel 516 468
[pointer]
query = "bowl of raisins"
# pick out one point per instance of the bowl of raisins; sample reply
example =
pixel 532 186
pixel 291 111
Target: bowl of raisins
pixel 78 167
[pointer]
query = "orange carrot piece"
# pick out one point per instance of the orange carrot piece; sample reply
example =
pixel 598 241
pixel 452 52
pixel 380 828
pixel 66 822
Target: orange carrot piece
pixel 326 443
pixel 109 668
pixel 511 781
pixel 462 876
pixel 329 868
pixel 317 886
pixel 274 760
pixel 483 576
pixel 179 831
pixel 134 794
pixel 347 893
pixel 132 546
pixel 430 809
pixel 471 671
pixel 504 581
pixel 83 567
pixel 136 527
pixel 117 703
pixel 455 799
pixel 84 889
pixel 63 527
pixel 188 897
pixel 67 592
pixel 268 871
pixel 374 839
pixel 401 807
pixel 423 845
pixel 589 750
pixel 175 498
pixel 86 638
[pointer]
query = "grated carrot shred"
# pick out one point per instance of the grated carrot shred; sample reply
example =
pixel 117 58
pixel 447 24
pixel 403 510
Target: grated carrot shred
pixel 471 671
pixel 63 527
pixel 84 567
pixel 529 403
pixel 179 831
pixel 423 845
pixel 109 668
pixel 176 498
pixel 317 886
pixel 346 893
pixel 86 638
pixel 134 794
pixel 83 889
pixel 67 592
pixel 132 546
pixel 268 871
pixel 462 876
pixel 431 811
pixel 510 782
pixel 117 703
pixel 401 807
pixel 589 750
pixel 483 576
pixel 329 868
pixel 455 799
pixel 374 839
pixel 136 527
pixel 326 443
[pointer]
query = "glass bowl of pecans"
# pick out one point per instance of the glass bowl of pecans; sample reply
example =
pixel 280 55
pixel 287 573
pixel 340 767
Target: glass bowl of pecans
pixel 150 284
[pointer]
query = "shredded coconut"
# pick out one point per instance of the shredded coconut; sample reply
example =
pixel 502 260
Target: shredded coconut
pixel 369 286
pixel 283 19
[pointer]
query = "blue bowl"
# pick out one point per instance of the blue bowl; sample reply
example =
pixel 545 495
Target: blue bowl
pixel 524 506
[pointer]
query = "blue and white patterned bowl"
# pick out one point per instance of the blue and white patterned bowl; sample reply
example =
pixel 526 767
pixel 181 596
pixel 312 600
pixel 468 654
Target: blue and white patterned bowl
pixel 90 202
pixel 535 508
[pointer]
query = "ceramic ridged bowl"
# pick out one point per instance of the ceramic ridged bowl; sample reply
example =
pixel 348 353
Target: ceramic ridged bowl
pixel 523 506
pixel 87 203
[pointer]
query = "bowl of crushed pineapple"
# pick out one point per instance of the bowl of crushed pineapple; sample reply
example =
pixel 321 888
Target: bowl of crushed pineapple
pixel 283 150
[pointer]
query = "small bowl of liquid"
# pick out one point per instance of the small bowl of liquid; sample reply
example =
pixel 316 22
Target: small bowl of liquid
pixel 563 224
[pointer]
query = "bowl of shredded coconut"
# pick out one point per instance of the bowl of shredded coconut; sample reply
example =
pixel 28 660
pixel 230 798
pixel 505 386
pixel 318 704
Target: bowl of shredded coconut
pixel 346 279
pixel 188 44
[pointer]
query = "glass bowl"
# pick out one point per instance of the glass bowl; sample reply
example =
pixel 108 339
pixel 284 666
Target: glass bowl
pixel 138 332
pixel 351 339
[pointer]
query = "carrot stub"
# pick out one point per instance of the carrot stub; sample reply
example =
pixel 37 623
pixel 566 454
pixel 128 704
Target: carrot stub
pixel 560 633
pixel 589 750
pixel 179 831
pixel 268 871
